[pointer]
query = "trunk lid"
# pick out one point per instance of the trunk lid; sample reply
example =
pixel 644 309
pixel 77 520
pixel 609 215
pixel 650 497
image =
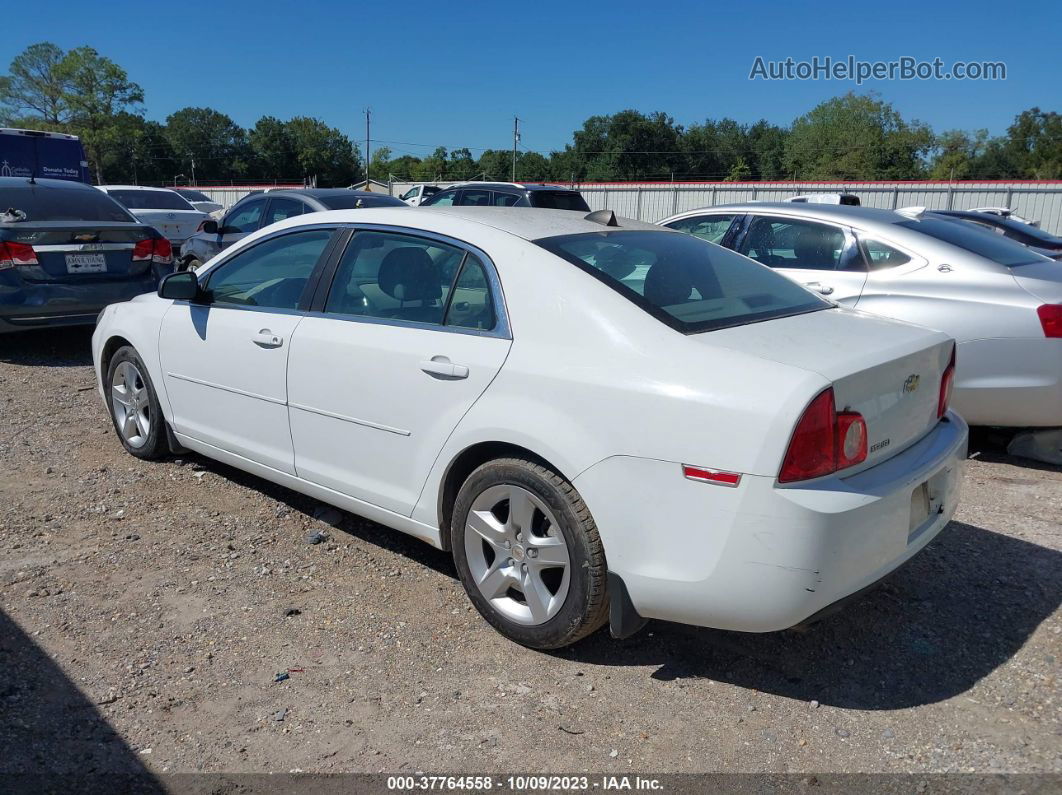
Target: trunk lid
pixel 176 225
pixel 1042 280
pixel 888 371
pixel 80 251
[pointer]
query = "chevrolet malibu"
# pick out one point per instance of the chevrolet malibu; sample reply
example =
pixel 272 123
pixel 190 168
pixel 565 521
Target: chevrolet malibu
pixel 602 420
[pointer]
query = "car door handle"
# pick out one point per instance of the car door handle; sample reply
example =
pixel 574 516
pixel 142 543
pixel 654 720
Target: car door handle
pixel 825 289
pixel 267 339
pixel 442 366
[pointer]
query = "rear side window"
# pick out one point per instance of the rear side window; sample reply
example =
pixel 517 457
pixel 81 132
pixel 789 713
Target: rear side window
pixel 559 200
pixel 881 255
pixel 150 199
pixel 782 243
pixel 475 198
pixel 282 208
pixel 688 284
pixel 996 248
pixel 358 201
pixel 505 199
pixel 63 204
pixel 444 199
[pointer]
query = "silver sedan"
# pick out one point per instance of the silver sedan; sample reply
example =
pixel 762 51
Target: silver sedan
pixel 1001 301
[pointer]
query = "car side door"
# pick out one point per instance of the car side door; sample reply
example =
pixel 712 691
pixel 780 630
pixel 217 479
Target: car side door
pixel 225 359
pixel 409 333
pixel 824 257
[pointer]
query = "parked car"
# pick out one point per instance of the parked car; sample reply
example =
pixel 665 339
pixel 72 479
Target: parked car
pixel 1032 236
pixel 199 200
pixel 508 194
pixel 67 250
pixel 262 208
pixel 1000 300
pixel 164 209
pixel 1005 212
pixel 602 420
pixel 418 193
pixel 848 199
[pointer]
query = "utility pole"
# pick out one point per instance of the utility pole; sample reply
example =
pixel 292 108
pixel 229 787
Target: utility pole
pixel 193 169
pixel 516 140
pixel 368 118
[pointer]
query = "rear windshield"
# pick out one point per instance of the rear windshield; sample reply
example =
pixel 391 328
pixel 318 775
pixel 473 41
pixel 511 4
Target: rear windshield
pixel 354 201
pixel 150 199
pixel 687 283
pixel 58 204
pixel 559 200
pixel 996 248
pixel 195 196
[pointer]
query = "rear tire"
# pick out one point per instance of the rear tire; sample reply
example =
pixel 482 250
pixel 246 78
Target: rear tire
pixel 134 406
pixel 529 554
pixel 191 264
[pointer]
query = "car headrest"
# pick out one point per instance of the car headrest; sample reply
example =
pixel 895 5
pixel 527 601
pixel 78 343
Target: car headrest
pixel 668 282
pixel 409 274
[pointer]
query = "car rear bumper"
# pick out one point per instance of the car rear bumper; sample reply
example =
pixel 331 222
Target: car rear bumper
pixel 1013 383
pixel 41 305
pixel 760 558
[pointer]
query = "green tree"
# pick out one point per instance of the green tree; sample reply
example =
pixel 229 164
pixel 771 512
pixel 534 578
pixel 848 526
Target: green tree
pixel 272 148
pixel 37 85
pixel 856 137
pixel 956 153
pixel 324 153
pixel 214 142
pixel 1034 144
pixel 739 172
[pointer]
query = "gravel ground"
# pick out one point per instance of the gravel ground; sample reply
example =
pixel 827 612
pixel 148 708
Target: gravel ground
pixel 147 608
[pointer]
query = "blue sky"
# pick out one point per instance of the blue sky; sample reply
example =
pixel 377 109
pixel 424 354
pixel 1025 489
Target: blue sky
pixel 453 74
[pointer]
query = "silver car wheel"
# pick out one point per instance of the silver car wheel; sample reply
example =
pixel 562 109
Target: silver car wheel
pixel 131 404
pixel 517 554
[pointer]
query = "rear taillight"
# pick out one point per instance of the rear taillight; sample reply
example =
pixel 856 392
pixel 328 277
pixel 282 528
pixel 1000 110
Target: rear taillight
pixel 13 255
pixel 946 381
pixel 157 249
pixel 1051 319
pixel 824 441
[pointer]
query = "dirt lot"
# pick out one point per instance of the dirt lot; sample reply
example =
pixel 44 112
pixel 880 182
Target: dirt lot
pixel 145 610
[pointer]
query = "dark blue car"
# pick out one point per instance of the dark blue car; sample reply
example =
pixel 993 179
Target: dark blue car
pixel 67 250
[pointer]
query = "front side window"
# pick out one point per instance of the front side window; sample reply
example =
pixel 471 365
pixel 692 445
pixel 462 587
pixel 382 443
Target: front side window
pixel 245 218
pixel 706 227
pixel 409 194
pixel 272 273
pixel 682 281
pixel 279 209
pixel 395 276
pixel 444 199
pixel 881 255
pixel 785 243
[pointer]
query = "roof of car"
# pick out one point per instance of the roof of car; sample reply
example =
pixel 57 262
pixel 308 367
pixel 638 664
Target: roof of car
pixel 515 185
pixel 529 224
pixel 319 193
pixel 25 182
pixel 840 212
pixel 132 187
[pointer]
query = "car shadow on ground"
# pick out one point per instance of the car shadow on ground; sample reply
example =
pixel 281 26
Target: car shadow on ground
pixel 945 620
pixel 54 738
pixel 990 444
pixel 59 347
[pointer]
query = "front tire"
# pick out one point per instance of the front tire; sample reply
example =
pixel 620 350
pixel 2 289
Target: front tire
pixel 529 554
pixel 134 406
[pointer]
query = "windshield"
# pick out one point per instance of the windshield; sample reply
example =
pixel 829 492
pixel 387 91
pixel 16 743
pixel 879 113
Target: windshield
pixel 996 248
pixel 687 283
pixel 195 196
pixel 150 199
pixel 59 204
pixel 358 200
pixel 559 200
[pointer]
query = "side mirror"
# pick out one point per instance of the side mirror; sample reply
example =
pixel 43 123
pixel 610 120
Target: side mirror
pixel 209 226
pixel 183 286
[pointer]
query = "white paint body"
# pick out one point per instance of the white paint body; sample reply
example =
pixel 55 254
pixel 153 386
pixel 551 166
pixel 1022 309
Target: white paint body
pixel 177 225
pixel 612 398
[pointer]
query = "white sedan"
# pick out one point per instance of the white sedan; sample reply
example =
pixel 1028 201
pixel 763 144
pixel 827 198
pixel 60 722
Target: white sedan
pixel 162 208
pixel 602 420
